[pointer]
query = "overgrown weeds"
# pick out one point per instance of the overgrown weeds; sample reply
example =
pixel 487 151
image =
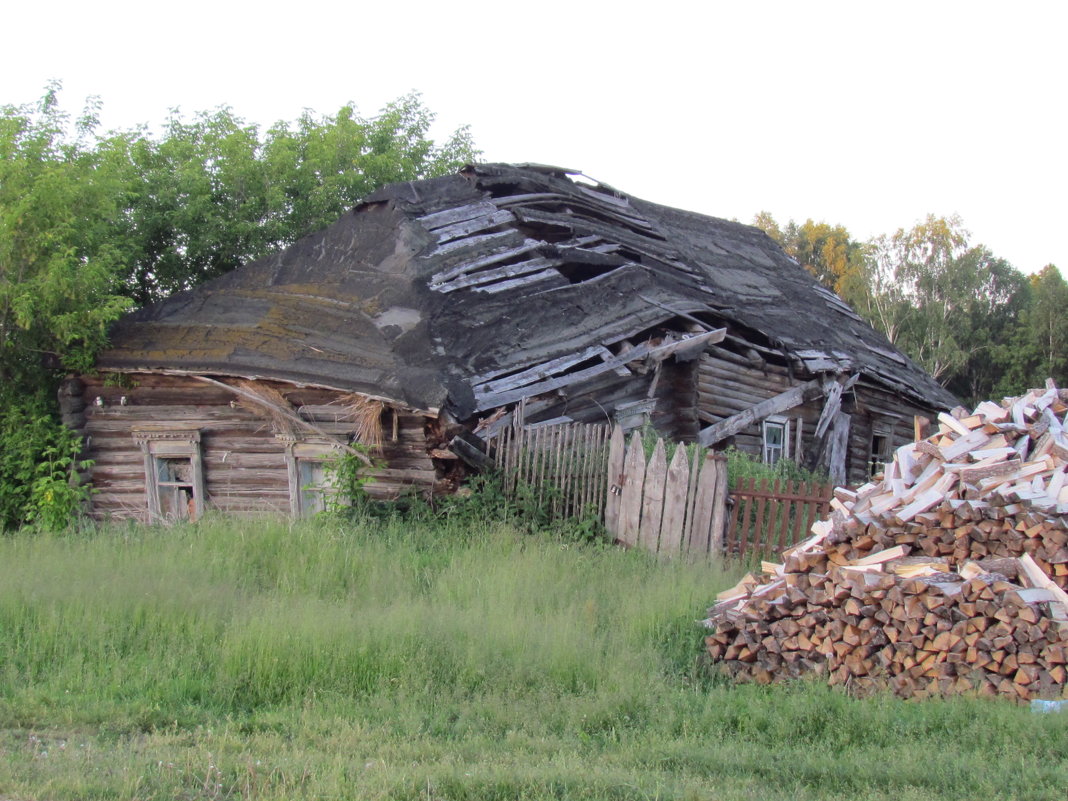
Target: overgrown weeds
pixel 437 658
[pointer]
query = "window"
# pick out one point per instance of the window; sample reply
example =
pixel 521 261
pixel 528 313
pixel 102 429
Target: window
pixel 776 440
pixel 310 487
pixel 174 476
pixel 878 453
pixel 314 486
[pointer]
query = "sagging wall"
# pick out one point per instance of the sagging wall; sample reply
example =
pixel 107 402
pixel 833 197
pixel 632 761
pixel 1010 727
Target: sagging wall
pixel 728 384
pixel 249 463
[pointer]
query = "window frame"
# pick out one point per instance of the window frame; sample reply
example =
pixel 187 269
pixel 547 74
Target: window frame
pixel 301 451
pixel 886 434
pixel 779 423
pixel 171 444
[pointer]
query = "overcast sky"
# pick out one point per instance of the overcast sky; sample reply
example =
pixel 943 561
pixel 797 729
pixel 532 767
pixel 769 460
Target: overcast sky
pixel 869 115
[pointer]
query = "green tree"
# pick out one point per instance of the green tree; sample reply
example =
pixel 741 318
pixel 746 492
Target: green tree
pixel 946 303
pixel 213 194
pixel 1048 324
pixel 1038 346
pixel 60 263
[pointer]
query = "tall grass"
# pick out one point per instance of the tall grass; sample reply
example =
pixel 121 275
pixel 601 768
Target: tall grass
pixel 433 659
pixel 228 617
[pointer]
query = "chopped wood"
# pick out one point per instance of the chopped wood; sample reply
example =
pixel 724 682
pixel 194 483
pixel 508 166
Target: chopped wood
pixel 883 556
pixel 980 607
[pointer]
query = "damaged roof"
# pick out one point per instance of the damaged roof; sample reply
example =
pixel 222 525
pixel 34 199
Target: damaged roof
pixel 475 289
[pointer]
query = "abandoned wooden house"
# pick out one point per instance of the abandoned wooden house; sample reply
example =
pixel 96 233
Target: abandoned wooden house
pixel 452 305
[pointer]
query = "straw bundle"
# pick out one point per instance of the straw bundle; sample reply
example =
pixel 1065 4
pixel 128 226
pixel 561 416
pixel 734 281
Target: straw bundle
pixel 366 413
pixel 269 403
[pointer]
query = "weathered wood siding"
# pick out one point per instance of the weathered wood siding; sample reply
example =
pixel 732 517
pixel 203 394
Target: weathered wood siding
pixel 878 411
pixel 728 384
pixel 244 463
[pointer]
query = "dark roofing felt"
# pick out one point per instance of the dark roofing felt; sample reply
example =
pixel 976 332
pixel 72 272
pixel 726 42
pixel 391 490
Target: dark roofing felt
pixel 429 289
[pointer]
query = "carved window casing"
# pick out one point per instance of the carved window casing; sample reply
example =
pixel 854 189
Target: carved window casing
pixel 174 474
pixel 310 483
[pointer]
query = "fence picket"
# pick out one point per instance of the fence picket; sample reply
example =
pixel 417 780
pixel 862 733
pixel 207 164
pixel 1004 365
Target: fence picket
pixel 677 508
pixel 630 509
pixel 787 509
pixel 653 498
pixel 614 489
pixel 674 504
pixel 759 534
pixel 702 518
pixel 691 496
pixel 719 510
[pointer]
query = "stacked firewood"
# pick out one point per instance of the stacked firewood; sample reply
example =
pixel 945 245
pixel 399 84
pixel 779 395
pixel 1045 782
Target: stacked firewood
pixel 946 576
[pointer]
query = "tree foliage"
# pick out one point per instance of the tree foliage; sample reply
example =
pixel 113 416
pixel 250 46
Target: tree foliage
pixel 213 193
pixel 93 224
pixel 966 316
pixel 827 251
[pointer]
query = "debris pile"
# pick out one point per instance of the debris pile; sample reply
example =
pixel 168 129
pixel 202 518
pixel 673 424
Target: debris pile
pixel 947 576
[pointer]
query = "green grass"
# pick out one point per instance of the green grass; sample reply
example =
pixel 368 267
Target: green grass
pixel 434 660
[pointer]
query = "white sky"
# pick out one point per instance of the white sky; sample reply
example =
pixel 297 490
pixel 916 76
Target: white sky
pixel 869 115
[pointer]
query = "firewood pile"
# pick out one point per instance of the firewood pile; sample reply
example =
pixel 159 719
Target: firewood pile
pixel 946 576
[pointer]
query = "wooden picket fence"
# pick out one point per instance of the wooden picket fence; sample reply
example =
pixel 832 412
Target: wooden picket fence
pixel 768 516
pixel 564 465
pixel 670 507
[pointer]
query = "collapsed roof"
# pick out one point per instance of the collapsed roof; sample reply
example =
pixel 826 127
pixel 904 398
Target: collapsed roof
pixel 473 290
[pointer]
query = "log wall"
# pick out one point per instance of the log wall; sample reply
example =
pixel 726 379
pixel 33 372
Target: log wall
pixel 728 384
pixel 244 463
pixel 878 411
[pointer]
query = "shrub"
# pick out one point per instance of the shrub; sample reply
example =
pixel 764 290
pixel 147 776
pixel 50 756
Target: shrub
pixel 38 467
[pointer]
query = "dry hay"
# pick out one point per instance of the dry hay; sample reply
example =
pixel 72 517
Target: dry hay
pixel 366 413
pixel 271 404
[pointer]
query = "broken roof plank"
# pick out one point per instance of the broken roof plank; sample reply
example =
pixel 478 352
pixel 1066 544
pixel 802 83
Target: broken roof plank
pixel 538 373
pixel 488 401
pixel 470 279
pixel 441 219
pixel 486 261
pixel 551 275
pixel 468 227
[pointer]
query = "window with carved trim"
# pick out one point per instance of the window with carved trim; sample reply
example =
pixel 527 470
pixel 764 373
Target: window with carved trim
pixel 174 474
pixel 311 488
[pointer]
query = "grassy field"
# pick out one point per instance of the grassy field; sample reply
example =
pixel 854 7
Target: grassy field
pixel 435 660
